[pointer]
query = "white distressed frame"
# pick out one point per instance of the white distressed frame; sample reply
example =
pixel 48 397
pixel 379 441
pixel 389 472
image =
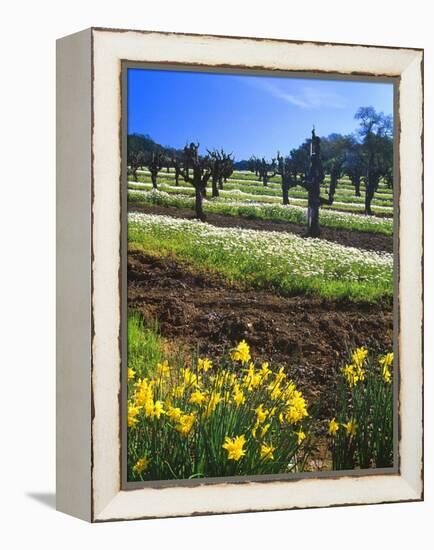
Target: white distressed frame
pixel 93 491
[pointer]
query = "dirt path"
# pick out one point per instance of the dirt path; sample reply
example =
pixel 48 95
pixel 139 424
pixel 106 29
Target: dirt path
pixel 308 335
pixel 358 239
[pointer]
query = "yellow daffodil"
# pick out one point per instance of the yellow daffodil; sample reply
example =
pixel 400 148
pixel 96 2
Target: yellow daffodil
pixel 185 423
pixel 197 397
pixel 178 391
pixel 174 413
pixel 355 372
pixel 204 364
pixel 265 429
pixel 301 436
pixel 252 379
pixel 359 356
pixel 267 451
pixel 241 352
pixel 153 409
pixel 131 373
pixel 238 396
pixel 261 414
pixel 133 411
pixel 387 376
pixel 212 402
pixel 296 408
pixel 148 408
pixel 351 374
pixel 288 392
pixel 226 397
pixel 351 427
pixel 333 426
pixel 249 396
pixel 234 447
pixel 385 362
pixel 163 369
pixel 189 377
pixel 280 376
pixel 158 409
pixel 141 465
pixel 265 370
pixel 275 391
pixel 231 379
pixel 144 391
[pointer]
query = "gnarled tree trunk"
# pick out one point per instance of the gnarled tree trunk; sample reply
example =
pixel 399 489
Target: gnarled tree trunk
pixel 154 179
pixel 285 193
pixel 200 215
pixel 356 182
pixel 177 174
pixel 332 187
pixel 313 204
pixel 215 188
pixel 372 182
pixel 315 178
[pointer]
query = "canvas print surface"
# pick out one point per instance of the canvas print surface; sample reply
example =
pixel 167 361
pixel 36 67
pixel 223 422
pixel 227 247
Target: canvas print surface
pixel 260 275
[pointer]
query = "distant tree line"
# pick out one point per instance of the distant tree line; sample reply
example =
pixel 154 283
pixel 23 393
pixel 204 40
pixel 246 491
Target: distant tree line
pixel 142 143
pixel 187 163
pixel 364 157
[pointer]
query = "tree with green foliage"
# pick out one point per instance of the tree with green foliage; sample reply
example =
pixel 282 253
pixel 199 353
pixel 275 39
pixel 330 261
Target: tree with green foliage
pixel 375 131
pixel 334 150
pixel 143 143
pixel 300 160
pixel 252 165
pixel 354 166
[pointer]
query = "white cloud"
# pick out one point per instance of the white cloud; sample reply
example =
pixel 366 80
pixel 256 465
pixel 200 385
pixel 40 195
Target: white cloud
pixel 324 98
pixel 305 97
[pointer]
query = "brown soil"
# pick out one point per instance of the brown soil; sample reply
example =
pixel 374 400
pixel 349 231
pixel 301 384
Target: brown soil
pixel 358 239
pixel 308 335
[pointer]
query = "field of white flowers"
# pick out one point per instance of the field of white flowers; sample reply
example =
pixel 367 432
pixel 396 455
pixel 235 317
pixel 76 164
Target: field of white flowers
pixel 240 195
pixel 265 258
pixel 291 213
pixel 246 182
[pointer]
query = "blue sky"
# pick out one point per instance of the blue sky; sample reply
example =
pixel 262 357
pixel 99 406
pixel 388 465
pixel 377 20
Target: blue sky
pixel 246 115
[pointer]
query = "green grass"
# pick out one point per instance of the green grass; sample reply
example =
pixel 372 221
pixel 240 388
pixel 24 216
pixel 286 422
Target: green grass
pixel 144 345
pixel 281 262
pixel 249 178
pixel 368 403
pixel 273 212
pixel 263 194
pixel 344 193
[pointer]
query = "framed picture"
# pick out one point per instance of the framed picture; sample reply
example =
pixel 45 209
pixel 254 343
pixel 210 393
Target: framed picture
pixel 239 274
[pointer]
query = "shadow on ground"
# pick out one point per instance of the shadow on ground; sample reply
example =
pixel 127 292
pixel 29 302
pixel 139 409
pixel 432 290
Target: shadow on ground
pixel 46 499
